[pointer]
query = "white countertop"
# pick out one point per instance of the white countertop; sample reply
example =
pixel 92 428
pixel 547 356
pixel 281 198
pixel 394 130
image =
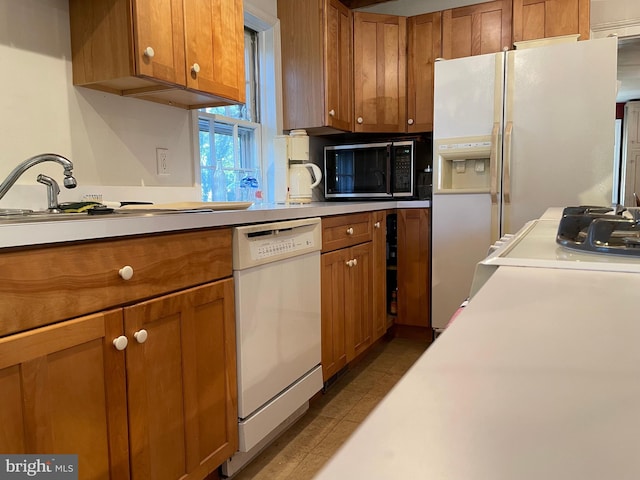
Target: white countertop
pixel 538 378
pixel 106 226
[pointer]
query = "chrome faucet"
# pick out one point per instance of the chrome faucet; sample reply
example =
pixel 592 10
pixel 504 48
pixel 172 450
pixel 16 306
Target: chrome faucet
pixel 53 189
pixel 52 186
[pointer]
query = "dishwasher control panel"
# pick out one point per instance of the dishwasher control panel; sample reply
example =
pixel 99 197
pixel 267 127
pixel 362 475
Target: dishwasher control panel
pixel 268 242
pixel 275 246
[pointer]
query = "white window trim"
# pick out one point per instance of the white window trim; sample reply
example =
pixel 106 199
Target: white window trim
pixel 268 28
pixel 235 123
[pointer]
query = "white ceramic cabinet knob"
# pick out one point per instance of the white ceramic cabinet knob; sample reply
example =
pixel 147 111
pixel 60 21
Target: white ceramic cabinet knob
pixel 149 52
pixel 376 225
pixel 121 342
pixel 349 263
pixel 126 272
pixel 195 68
pixel 410 121
pixel 332 113
pixel 141 336
pixel 350 231
pixel 355 262
pixel 360 120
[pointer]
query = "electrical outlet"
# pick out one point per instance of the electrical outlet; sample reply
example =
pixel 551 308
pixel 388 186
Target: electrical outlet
pixel 162 161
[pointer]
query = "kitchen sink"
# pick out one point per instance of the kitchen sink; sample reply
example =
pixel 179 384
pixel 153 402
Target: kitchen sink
pixel 28 216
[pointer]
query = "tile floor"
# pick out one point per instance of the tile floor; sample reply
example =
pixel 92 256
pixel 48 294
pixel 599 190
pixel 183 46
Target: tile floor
pixel 301 451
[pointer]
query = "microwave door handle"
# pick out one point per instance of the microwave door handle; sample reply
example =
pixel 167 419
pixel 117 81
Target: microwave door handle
pixel 390 172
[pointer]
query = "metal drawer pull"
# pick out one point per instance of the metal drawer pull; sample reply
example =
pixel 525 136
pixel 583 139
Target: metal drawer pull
pixel 141 336
pixel 350 231
pixel 126 272
pixel 121 342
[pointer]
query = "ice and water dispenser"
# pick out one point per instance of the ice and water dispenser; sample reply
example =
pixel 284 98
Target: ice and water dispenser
pixel 463 165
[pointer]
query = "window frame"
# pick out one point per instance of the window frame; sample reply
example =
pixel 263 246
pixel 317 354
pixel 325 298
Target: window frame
pixel 269 99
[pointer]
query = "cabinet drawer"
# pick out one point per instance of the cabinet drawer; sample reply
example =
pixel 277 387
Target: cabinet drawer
pixel 47 284
pixel 345 230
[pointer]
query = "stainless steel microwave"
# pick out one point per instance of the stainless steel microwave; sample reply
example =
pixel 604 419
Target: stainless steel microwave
pixel 377 170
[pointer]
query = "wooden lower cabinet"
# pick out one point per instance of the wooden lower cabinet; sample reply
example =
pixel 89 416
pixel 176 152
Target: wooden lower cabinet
pixel 346 306
pixel 164 407
pixel 379 292
pixel 414 284
pixel 63 391
pixel 181 383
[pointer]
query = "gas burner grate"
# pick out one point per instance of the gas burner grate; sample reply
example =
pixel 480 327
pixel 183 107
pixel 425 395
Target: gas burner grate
pixel 600 230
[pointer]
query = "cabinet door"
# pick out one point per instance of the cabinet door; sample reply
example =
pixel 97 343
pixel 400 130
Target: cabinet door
pixel 63 391
pixel 159 40
pixel 338 68
pixel 535 19
pixel 379 292
pixel 181 382
pixel 359 324
pixel 333 273
pixel 414 285
pixel 214 32
pixel 476 29
pixel 424 46
pixel 379 60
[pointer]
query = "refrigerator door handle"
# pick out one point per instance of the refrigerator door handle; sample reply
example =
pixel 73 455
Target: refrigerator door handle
pixel 493 163
pixel 507 163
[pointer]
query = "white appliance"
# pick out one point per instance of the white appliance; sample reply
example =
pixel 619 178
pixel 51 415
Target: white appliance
pixel 277 285
pixel 514 133
pixel 535 246
pixel 293 181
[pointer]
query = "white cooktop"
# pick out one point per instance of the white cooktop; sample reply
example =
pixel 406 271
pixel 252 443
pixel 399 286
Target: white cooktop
pixel 535 246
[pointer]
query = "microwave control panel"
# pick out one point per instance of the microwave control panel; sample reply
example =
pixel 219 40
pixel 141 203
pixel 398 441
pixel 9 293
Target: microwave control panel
pixel 402 170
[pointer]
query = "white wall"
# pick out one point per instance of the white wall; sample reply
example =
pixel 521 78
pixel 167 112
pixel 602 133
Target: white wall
pixel 111 140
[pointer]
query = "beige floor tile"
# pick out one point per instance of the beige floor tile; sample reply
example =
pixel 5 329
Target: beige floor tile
pixel 336 437
pixel 272 464
pixel 308 467
pixel 307 432
pixel 302 450
pixel 363 408
pixel 337 403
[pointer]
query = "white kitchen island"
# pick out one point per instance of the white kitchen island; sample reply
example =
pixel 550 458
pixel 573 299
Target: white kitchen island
pixel 538 378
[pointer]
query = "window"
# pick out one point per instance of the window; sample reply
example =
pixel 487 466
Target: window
pixel 229 140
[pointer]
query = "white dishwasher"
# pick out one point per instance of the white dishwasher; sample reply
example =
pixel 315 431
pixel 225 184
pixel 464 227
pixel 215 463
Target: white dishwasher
pixel 276 270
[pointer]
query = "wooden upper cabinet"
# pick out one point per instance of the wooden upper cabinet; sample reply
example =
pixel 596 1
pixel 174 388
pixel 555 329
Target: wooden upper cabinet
pixel 338 77
pixel 535 19
pixel 476 29
pixel 317 76
pixel 187 53
pixel 379 60
pixel 214 32
pixel 159 40
pixel 424 46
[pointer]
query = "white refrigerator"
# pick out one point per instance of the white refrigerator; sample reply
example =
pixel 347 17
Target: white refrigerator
pixel 515 133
